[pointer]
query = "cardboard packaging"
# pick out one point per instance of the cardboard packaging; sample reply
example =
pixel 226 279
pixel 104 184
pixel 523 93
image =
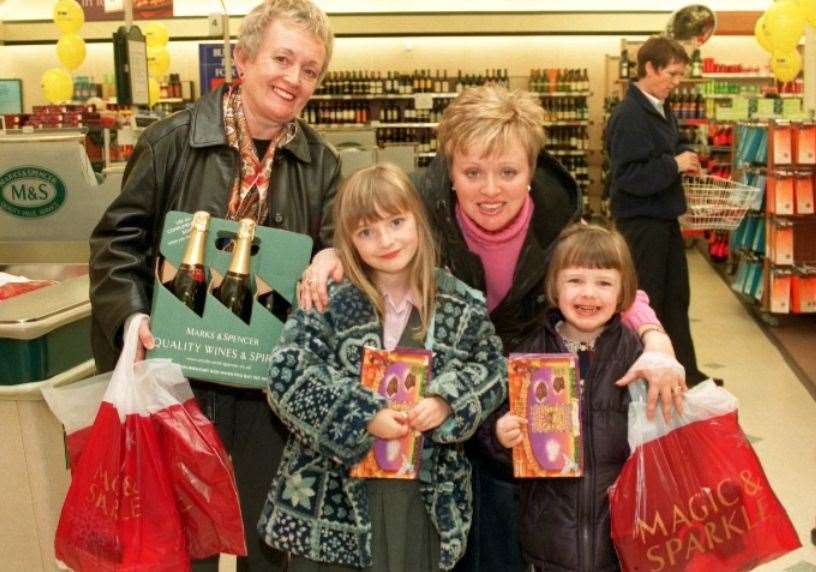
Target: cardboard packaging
pixel 400 376
pixel 805 144
pixel 218 346
pixel 545 390
pixel 780 194
pixel 781 144
pixel 780 292
pixel 804 193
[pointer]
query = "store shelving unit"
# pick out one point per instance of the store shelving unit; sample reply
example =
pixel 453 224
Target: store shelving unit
pixel 412 117
pixel 775 246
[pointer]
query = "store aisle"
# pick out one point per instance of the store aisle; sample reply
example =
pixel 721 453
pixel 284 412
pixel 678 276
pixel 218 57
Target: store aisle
pixel 776 411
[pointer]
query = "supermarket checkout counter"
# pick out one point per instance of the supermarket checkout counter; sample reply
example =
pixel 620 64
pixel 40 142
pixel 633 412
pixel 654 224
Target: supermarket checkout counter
pixel 44 341
pixel 50 197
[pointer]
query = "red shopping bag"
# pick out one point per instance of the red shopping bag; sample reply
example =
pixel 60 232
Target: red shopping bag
pixel 693 496
pixel 153 486
pixel 203 481
pixel 75 405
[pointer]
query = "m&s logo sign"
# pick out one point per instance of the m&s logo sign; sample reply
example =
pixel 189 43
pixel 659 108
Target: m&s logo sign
pixel 31 192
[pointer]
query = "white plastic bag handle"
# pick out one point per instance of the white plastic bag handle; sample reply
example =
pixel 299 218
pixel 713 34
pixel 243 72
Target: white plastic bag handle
pixel 130 343
pixel 703 401
pixel 145 387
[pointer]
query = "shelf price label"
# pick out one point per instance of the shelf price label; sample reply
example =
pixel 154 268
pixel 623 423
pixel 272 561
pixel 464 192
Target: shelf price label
pixel 423 101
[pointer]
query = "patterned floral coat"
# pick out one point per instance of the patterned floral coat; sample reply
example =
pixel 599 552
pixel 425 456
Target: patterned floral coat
pixel 314 509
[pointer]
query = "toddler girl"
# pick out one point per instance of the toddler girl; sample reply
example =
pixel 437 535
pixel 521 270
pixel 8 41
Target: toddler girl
pixel 565 521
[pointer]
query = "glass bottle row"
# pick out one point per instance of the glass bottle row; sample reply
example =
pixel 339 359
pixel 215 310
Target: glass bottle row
pixel 367 82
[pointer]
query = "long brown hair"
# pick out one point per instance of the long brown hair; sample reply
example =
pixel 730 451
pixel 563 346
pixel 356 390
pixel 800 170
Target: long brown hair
pixel 369 195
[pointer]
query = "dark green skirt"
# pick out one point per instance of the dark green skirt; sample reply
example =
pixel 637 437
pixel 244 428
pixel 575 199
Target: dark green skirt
pixel 403 537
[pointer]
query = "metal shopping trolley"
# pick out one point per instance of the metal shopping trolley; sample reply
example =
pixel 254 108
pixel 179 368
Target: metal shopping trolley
pixel 715 203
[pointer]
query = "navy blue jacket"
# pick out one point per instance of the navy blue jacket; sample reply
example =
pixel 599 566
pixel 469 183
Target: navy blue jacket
pixel 565 522
pixel 642 146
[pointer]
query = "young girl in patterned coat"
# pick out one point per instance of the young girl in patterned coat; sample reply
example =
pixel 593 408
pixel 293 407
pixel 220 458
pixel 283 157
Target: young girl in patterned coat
pixel 394 296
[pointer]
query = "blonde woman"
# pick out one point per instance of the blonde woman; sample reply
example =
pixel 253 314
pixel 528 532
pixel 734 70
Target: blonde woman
pixel 393 296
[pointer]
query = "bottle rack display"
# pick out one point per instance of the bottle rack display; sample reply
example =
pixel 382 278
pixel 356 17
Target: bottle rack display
pixel 406 108
pixel 776 246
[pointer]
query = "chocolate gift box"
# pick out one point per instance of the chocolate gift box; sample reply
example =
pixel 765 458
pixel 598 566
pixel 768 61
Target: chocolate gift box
pixel 545 390
pixel 401 376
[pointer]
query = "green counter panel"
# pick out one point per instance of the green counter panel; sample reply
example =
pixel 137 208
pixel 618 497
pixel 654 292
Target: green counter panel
pixel 24 361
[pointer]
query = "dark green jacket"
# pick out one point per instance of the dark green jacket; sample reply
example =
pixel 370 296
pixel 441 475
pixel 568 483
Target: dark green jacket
pixel 185 163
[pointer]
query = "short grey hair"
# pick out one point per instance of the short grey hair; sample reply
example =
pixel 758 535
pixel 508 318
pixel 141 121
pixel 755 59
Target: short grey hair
pixel 303 13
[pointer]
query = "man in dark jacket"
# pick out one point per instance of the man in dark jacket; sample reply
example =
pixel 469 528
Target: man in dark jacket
pixel 647 159
pixel 238 152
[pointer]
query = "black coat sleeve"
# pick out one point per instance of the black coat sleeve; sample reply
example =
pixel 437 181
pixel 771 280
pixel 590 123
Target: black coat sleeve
pixel 122 257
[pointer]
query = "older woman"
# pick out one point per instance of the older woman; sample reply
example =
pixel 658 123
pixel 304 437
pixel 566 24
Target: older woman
pixel 239 152
pixel 497 201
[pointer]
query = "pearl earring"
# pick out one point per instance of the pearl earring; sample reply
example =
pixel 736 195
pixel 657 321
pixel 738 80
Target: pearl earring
pixel 529 188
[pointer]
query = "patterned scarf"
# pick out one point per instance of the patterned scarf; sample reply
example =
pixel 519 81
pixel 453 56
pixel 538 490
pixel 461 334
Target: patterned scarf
pixel 247 198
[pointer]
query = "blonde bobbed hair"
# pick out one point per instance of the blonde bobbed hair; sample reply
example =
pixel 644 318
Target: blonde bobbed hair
pixel 302 13
pixel 488 118
pixel 371 194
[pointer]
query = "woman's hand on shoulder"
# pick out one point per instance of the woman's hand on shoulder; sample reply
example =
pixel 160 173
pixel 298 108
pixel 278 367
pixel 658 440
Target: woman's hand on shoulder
pixel 509 429
pixel 312 290
pixel 429 413
pixel 666 379
pixel 389 424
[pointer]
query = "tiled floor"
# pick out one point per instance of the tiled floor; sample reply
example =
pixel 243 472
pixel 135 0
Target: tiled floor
pixel 777 413
pixel 775 409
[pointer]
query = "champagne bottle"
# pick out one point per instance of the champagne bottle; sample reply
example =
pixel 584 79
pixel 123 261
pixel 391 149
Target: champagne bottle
pixel 190 285
pixel 277 304
pixel 235 291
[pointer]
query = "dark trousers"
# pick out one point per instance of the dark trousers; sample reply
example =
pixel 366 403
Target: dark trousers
pixel 493 542
pixel 254 438
pixel 659 253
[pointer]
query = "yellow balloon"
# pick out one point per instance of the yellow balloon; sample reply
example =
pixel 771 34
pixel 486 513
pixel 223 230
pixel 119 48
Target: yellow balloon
pixel 158 61
pixel 71 51
pixel 761 35
pixel 153 90
pixel 786 65
pixel 808 8
pixel 156 34
pixel 68 16
pixel 57 85
pixel 784 24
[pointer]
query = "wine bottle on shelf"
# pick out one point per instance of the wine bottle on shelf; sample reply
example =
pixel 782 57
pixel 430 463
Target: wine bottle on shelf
pixel 190 283
pixel 235 291
pixel 696 64
pixel 623 65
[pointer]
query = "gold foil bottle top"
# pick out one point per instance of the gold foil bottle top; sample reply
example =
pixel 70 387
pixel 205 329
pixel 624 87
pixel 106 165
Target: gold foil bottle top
pixel 239 263
pixel 201 221
pixel 246 229
pixel 197 243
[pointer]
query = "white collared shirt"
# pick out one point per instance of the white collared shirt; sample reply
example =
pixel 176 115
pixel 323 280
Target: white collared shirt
pixel 395 319
pixel 657 103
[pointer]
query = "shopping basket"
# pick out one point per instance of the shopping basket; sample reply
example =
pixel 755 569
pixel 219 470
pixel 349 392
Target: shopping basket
pixel 715 203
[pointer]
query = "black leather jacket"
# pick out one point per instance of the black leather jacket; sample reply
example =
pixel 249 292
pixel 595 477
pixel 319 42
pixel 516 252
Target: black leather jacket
pixel 185 163
pixel 565 522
